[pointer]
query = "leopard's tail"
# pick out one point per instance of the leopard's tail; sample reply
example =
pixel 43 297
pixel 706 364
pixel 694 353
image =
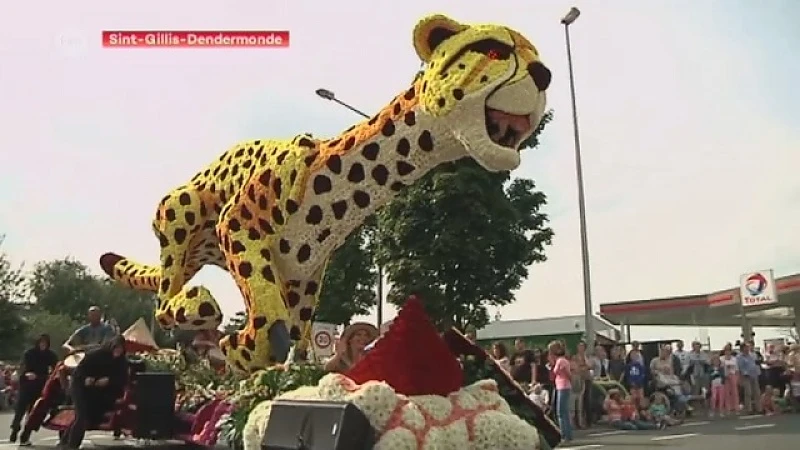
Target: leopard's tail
pixel 131 274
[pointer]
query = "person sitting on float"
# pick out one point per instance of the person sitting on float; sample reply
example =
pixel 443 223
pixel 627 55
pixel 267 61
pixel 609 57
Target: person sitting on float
pixel 90 336
pixel 350 346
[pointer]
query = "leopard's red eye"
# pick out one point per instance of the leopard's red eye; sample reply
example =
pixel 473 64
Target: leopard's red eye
pixel 493 54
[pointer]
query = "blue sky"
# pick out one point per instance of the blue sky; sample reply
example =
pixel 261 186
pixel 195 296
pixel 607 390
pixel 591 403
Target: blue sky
pixel 688 118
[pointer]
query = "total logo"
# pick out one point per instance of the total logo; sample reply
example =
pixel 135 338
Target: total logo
pixel 756 284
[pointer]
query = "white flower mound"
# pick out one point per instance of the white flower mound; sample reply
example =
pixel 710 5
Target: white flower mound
pixel 474 418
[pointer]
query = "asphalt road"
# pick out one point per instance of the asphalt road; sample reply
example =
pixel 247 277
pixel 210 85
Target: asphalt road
pixel 46 439
pixel 735 433
pixel 738 433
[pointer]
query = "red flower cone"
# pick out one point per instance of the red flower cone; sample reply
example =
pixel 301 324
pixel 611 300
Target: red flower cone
pixel 411 357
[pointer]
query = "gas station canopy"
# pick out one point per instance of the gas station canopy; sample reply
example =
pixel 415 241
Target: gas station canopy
pixel 721 308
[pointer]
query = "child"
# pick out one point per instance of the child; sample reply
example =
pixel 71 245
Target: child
pixel 718 403
pixel 643 409
pixel 634 375
pixel 768 402
pixel 576 398
pixel 659 411
pixel 540 397
pixel 794 392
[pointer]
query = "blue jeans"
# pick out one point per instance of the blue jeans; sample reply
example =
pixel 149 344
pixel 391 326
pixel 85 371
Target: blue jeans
pixel 562 412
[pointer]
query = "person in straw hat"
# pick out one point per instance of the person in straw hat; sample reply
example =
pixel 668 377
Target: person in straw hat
pixel 350 346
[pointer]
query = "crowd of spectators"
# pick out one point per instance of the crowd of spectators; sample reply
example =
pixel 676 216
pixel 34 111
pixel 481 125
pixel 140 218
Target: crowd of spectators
pixel 615 384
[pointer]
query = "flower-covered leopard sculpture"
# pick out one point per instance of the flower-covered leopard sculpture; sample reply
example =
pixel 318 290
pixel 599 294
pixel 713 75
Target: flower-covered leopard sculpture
pixel 271 212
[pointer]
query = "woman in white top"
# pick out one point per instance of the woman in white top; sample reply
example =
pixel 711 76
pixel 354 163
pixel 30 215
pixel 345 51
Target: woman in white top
pixel 730 364
pixel 500 354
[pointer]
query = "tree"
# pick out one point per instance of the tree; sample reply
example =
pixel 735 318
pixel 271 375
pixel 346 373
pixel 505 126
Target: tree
pixel 463 238
pixel 349 286
pixel 12 324
pixel 64 286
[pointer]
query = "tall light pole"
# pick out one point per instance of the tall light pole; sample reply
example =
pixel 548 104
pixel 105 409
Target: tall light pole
pixel 329 95
pixel 568 20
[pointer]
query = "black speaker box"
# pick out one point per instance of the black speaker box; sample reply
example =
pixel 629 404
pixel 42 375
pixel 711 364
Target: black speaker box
pixel 154 397
pixel 317 425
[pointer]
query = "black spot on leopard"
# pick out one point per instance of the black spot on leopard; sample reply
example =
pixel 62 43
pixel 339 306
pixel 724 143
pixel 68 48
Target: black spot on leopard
pixel 252 234
pixel 322 184
pixel 397 186
pixel 334 142
pixel 277 216
pixel 281 157
pixel 306 313
pixel 396 109
pixel 425 141
pixel 259 322
pixel 334 164
pixel 403 147
pixel 249 343
pixel 265 226
pixel 324 234
pixel 291 206
pixel 180 315
pixel 292 299
pixel 277 187
pixel 349 143
pixel 303 253
pixel 180 235
pixel 267 273
pixel 206 309
pixel 293 176
pixel 361 199
pixel 262 202
pixel 339 209
pixel 410 118
pixel 380 174
pixel 245 269
pixel 305 142
pixel 388 128
pixel 266 254
pixel 441 102
pixel 164 285
pixel 190 217
pixel 356 173
pixel 284 246
pixel 314 216
pixel 370 151
pixel 311 288
pixel 484 79
pixel 295 333
pixel 410 93
pixel 404 168
pixel 232 341
pixel 458 94
pixel 265 177
pixel 184 199
pixel 169 261
pixel 309 160
pixel 237 247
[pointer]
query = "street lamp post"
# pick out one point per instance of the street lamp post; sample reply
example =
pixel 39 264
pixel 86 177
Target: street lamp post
pixel 568 20
pixel 329 95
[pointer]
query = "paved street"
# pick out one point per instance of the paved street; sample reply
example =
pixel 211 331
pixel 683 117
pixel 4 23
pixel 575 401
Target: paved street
pixel 737 433
pixel 48 439
pixel 741 433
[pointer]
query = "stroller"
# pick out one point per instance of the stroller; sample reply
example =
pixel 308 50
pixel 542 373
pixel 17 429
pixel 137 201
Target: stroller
pixel 672 387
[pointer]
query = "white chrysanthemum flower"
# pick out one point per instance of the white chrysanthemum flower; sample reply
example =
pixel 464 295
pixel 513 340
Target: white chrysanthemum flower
pixel 255 428
pixel 412 417
pixel 465 399
pixel 494 429
pixel 377 401
pixel 331 386
pixel 438 407
pixel 451 437
pixel 397 439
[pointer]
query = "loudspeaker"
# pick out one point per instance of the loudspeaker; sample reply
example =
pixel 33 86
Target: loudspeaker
pixel 154 397
pixel 317 425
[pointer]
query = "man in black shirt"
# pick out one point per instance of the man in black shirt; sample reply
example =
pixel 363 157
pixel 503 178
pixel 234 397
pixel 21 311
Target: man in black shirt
pixel 37 363
pixel 522 363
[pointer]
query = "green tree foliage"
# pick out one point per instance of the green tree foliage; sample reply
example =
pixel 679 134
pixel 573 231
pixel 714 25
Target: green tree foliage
pixel 349 286
pixel 12 324
pixel 463 238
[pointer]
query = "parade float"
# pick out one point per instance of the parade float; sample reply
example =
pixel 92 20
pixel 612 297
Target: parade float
pixel 272 212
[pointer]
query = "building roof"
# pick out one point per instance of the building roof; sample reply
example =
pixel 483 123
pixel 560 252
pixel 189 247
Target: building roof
pixel 506 329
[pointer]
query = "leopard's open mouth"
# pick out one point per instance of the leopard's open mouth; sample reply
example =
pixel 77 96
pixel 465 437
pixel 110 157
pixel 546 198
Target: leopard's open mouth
pixel 505 129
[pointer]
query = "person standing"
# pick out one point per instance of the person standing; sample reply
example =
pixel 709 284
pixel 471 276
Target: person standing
pixel 522 364
pixel 731 386
pixel 749 373
pixel 698 368
pixel 37 364
pixel 561 374
pixel 92 335
pixel 683 358
pixel 500 355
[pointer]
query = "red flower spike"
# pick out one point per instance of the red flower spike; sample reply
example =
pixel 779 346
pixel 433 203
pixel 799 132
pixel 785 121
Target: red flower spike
pixel 411 357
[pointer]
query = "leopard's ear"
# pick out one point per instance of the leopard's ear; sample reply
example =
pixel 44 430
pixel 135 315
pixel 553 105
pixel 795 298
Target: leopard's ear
pixel 431 31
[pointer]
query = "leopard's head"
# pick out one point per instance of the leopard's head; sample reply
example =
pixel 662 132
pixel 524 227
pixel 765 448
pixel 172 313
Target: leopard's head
pixel 485 83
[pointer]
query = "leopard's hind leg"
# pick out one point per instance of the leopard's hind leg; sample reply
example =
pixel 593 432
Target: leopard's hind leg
pixel 248 236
